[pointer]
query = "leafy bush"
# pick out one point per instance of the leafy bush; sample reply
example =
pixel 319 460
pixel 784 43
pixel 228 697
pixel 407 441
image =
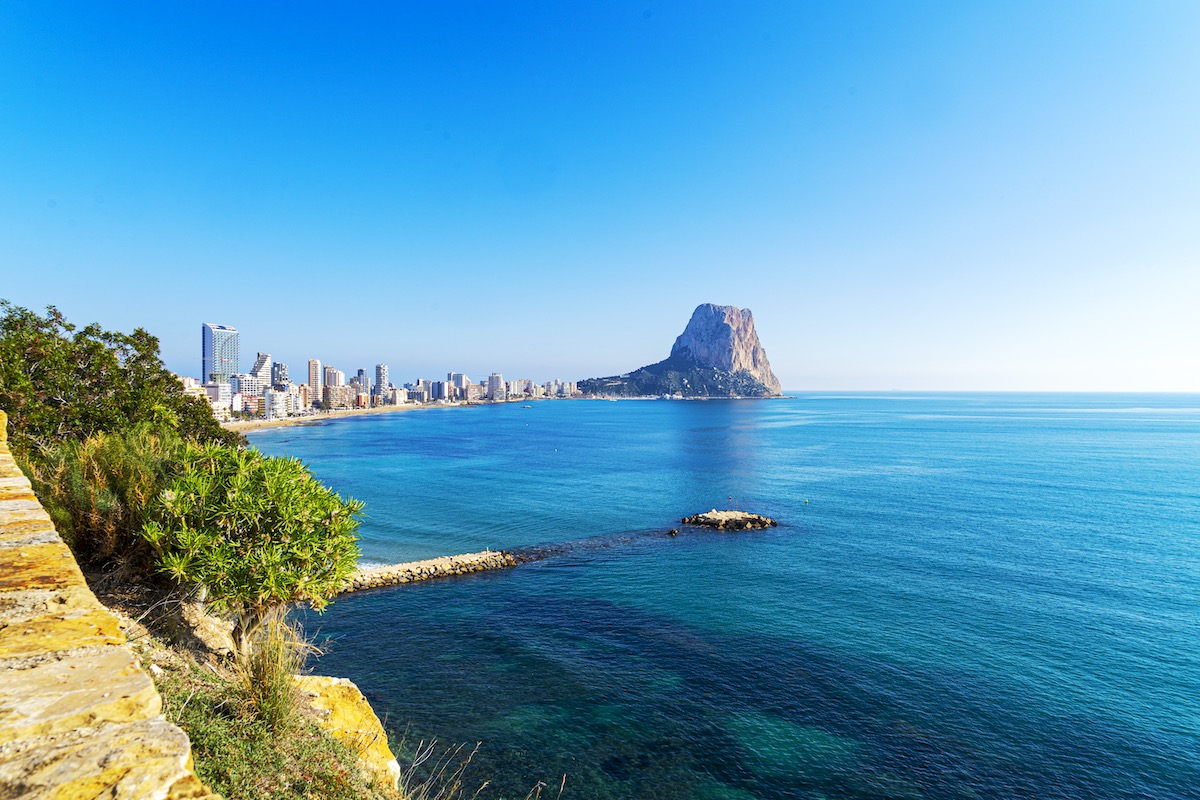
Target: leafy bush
pixel 99 490
pixel 256 533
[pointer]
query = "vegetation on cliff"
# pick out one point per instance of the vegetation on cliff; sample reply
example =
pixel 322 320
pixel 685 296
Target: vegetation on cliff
pixel 245 744
pixel 256 533
pixel 60 383
pixel 154 496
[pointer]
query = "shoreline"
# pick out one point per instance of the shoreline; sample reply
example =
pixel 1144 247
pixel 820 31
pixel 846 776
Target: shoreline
pixel 243 425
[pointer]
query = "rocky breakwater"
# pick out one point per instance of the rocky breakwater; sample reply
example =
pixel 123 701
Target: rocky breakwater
pixel 394 574
pixel 78 716
pixel 730 520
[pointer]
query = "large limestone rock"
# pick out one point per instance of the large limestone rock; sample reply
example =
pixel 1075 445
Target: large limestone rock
pixel 717 355
pixel 723 337
pixel 340 708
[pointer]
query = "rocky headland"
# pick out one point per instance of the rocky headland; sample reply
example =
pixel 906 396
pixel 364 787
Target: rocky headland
pixel 717 355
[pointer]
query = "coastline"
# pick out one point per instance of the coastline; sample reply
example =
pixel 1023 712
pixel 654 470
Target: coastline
pixel 243 425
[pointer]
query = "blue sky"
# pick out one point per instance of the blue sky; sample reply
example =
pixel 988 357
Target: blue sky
pixel 939 196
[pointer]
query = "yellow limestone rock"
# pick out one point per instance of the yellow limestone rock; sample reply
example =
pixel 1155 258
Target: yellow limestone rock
pixel 79 720
pixel 128 760
pixel 341 709
pixel 60 692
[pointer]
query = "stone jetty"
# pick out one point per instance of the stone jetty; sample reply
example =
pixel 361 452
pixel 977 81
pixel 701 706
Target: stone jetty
pixel 730 520
pixel 393 574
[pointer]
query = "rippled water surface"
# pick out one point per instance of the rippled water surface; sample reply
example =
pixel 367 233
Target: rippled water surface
pixel 968 596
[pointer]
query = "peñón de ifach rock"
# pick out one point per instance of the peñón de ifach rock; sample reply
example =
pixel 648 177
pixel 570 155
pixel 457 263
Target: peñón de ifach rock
pixel 717 355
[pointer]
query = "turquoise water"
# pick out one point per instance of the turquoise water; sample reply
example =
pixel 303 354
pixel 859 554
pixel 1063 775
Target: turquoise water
pixel 968 596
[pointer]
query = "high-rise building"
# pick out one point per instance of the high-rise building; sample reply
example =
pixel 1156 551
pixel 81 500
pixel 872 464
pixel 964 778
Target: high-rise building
pixel 279 374
pixel 496 389
pixel 314 381
pixel 363 381
pixel 334 377
pixel 219 357
pixel 381 379
pixel 262 368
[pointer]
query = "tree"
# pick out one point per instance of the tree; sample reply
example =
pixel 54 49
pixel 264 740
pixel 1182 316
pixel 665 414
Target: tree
pixel 256 533
pixel 59 383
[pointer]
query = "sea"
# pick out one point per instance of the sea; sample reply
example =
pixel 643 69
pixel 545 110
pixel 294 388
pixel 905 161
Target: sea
pixel 967 595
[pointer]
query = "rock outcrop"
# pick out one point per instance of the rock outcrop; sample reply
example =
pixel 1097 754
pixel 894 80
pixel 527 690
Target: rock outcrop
pixel 730 520
pixel 338 706
pixel 717 355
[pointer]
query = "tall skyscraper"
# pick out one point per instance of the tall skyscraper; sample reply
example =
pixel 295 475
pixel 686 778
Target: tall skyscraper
pixel 279 374
pixel 495 386
pixel 381 379
pixel 314 381
pixel 334 377
pixel 219 357
pixel 262 368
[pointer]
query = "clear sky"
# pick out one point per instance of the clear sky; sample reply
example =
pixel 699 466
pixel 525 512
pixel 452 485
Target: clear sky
pixel 959 195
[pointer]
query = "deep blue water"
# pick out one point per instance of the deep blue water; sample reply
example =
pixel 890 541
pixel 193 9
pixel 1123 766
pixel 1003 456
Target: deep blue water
pixel 968 596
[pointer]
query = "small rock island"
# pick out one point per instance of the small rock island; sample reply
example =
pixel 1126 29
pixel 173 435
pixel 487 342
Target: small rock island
pixel 730 520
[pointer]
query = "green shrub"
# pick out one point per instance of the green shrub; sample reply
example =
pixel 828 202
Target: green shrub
pixel 98 491
pixel 256 533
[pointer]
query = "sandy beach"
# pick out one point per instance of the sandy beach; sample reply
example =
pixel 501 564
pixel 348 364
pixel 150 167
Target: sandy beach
pixel 243 425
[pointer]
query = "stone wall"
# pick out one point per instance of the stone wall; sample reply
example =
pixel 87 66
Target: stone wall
pixel 78 716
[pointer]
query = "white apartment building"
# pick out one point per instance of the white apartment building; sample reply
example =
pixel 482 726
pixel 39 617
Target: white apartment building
pixel 262 368
pixel 314 381
pixel 220 397
pixel 496 391
pixel 249 385
pixel 334 377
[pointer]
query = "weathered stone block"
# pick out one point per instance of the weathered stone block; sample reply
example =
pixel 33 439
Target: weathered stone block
pixel 58 694
pixel 130 760
pixel 39 566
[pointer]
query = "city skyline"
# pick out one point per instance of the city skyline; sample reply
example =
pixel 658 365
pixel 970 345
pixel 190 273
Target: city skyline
pixel 267 391
pixel 921 196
